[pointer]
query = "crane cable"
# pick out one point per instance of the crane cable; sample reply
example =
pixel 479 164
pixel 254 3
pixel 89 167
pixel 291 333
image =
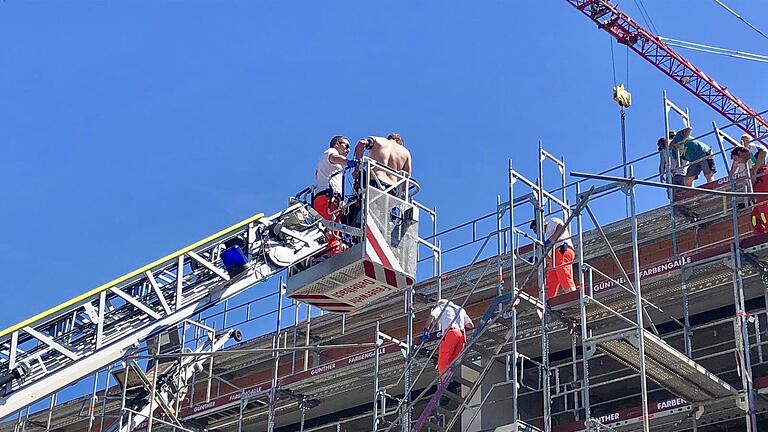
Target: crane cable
pixel 734 13
pixel 646 16
pixel 613 63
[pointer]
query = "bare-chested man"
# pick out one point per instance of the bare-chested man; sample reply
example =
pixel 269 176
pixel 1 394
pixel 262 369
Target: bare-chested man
pixel 389 151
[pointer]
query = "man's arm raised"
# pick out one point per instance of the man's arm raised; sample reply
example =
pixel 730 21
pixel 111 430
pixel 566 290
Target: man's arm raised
pixel 335 158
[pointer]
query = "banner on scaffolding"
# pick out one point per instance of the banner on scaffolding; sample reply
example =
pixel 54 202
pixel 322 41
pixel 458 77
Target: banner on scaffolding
pixel 626 417
pixel 261 390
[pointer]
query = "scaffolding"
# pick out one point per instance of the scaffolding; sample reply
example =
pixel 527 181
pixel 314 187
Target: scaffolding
pixel 621 328
pixel 635 322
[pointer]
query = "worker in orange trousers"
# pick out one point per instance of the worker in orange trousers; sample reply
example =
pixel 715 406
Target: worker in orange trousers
pixel 454 322
pixel 559 278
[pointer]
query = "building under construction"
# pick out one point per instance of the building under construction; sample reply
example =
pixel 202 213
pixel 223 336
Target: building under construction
pixel 667 331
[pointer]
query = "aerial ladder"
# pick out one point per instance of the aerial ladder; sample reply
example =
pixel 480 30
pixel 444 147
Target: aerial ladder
pixel 169 386
pixel 49 351
pixel 81 336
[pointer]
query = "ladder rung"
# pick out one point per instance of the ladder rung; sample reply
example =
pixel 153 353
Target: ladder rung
pixel 474 366
pixel 487 354
pixel 463 381
pixel 434 426
pixel 506 322
pixel 453 396
pixel 445 411
pixel 496 337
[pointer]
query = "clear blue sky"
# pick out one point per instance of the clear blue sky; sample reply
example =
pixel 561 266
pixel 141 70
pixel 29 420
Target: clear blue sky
pixel 129 130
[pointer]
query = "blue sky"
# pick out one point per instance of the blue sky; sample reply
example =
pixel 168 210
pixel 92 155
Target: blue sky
pixel 132 129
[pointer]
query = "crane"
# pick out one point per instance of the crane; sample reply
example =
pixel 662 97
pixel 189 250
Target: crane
pixel 649 46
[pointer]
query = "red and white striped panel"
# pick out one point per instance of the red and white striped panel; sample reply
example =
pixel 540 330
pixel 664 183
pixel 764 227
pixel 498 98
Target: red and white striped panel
pixel 377 249
pixel 382 277
pixel 388 276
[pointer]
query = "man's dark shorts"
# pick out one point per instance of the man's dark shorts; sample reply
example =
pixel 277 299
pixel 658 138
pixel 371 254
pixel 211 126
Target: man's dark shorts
pixel 707 166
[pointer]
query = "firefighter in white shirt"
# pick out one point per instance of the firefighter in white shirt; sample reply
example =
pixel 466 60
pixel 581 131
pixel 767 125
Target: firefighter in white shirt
pixel 560 269
pixel 453 324
pixel 329 185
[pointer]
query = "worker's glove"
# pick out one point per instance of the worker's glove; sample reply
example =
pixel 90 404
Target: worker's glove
pixel 352 163
pixel 425 336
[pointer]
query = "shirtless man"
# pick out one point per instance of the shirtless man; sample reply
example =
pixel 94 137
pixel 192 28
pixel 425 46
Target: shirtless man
pixel 389 151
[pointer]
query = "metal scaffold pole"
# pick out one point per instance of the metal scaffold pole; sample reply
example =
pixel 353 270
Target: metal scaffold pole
pixel 513 289
pixel 50 411
pixel 276 366
pixel 104 397
pixel 541 273
pixel 668 155
pixel 500 249
pixel 583 316
pixel 639 309
pixel 407 382
pixel 742 333
pixel 376 356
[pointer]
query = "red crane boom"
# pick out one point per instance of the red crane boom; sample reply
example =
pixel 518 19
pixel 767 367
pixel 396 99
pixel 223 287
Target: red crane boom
pixel 610 18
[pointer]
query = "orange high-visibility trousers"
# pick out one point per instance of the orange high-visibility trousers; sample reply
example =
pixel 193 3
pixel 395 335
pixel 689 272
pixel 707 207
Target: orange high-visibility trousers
pixel 327 207
pixel 450 348
pixel 560 273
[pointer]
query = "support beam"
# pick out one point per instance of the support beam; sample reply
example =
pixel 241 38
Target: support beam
pixel 51 343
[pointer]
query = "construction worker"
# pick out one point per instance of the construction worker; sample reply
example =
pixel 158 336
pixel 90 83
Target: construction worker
pixel 560 261
pixel 747 156
pixel 329 185
pixel 453 322
pixel 678 170
pixel 698 154
pixel 390 152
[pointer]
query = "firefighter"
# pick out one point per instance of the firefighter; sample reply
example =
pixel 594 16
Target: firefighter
pixel 329 185
pixel 454 322
pixel 560 268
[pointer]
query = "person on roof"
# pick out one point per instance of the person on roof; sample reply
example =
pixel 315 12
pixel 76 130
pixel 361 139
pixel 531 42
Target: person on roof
pixel 698 154
pixel 741 156
pixel 390 152
pixel 677 169
pixel 748 156
pixel 329 185
pixel 559 278
pixel 453 324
